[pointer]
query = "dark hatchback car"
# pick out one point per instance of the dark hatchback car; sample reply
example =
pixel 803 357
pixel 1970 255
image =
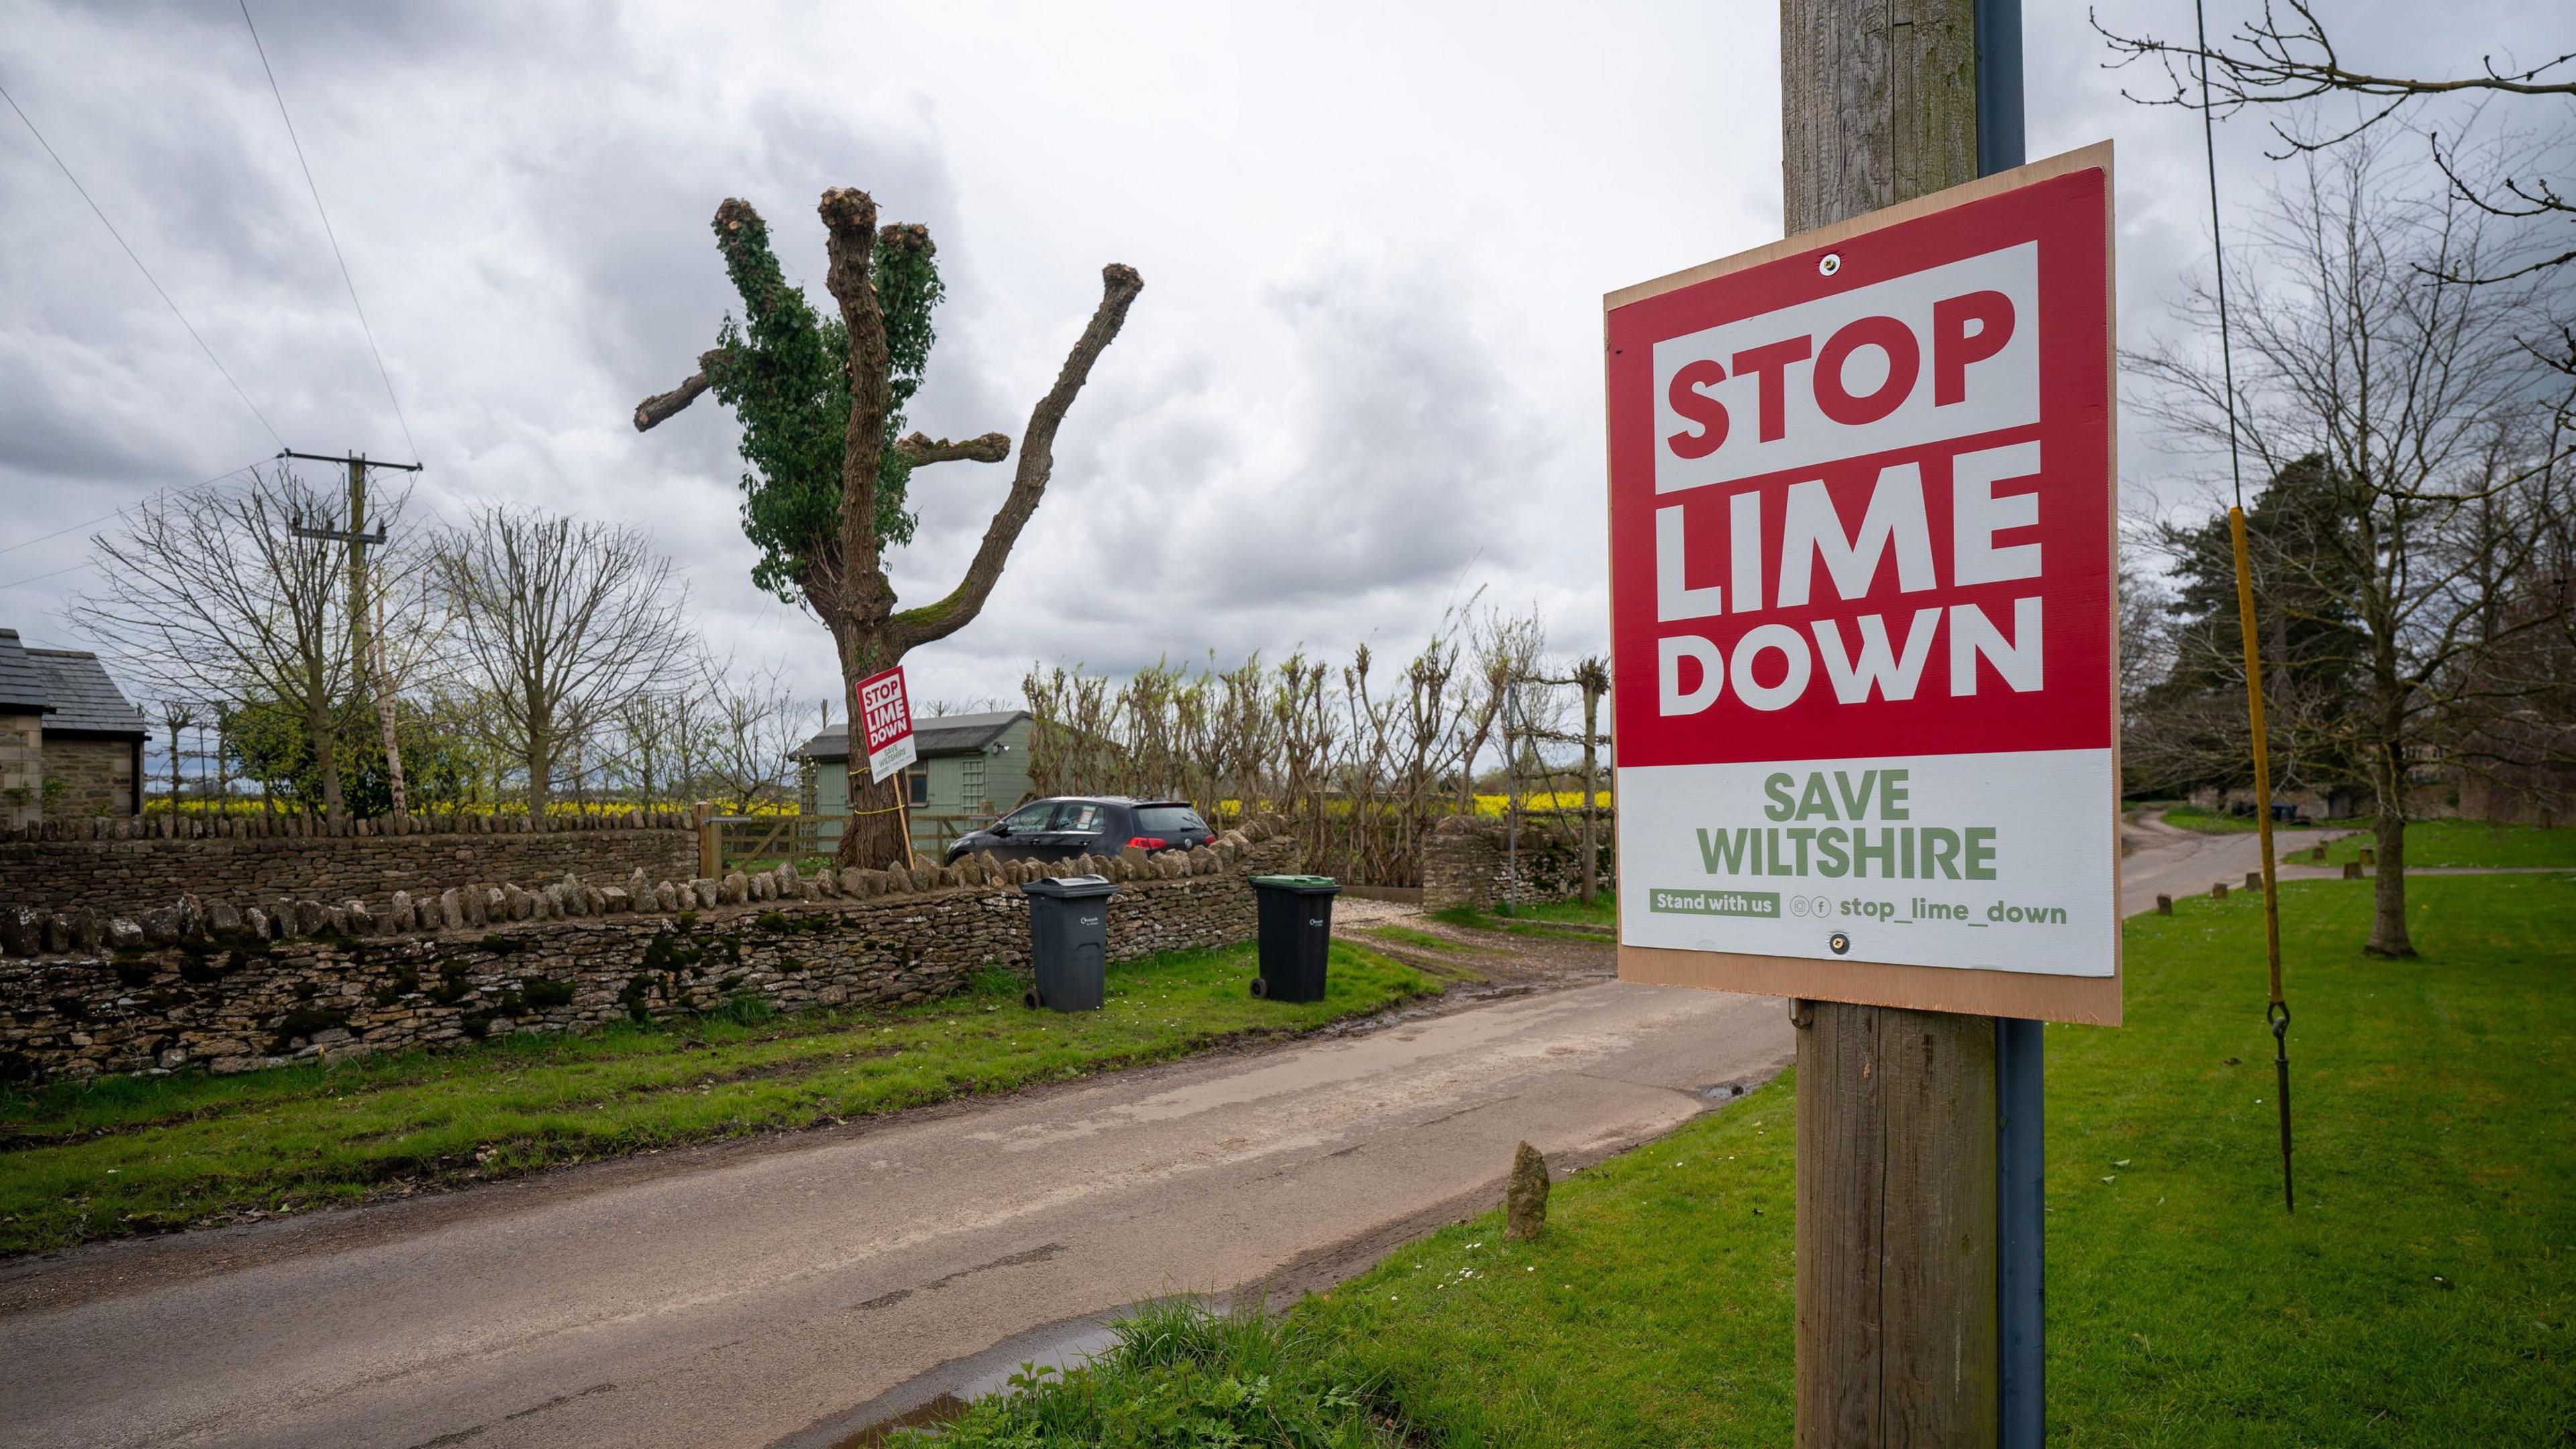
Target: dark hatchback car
pixel 1073 825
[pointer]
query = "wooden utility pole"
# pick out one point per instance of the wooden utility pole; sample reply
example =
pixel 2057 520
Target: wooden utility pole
pixel 361 643
pixel 1896 1287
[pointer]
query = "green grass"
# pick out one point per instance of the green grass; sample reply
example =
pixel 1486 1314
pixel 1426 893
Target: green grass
pixel 2208 822
pixel 1536 918
pixel 1603 911
pixel 2470 843
pixel 1180 1375
pixel 139 1154
pixel 1418 940
pixel 2422 1294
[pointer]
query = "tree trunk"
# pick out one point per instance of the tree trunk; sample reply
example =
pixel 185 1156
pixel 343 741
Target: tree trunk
pixel 874 838
pixel 541 768
pixel 393 755
pixel 2388 936
pixel 326 752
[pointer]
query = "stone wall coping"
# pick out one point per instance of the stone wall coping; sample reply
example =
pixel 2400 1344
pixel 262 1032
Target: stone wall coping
pixel 83 932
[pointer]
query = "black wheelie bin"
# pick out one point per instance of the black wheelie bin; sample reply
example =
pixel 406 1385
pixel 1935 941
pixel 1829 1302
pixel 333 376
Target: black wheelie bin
pixel 1069 941
pixel 1296 935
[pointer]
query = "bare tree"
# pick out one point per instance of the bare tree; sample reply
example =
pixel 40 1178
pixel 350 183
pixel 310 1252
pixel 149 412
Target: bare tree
pixel 213 594
pixel 2286 62
pixel 754 719
pixel 554 623
pixel 179 715
pixel 2386 388
pixel 653 733
pixel 1365 765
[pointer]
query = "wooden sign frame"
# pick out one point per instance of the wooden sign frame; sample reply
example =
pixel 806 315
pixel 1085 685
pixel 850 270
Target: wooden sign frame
pixel 2093 999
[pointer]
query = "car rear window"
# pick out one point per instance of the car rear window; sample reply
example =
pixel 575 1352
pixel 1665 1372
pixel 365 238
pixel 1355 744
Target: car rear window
pixel 1167 819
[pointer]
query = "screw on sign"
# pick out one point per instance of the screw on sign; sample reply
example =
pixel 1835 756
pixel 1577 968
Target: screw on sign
pixel 1862 571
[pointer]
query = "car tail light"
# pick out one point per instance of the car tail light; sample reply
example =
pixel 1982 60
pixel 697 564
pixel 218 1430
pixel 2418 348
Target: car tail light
pixel 1147 842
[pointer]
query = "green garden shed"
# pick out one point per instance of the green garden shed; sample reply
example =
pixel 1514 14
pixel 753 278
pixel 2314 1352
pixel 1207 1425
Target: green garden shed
pixel 972 767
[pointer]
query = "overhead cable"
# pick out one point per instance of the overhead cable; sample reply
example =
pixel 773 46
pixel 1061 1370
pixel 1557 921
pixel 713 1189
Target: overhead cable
pixel 345 279
pixel 138 266
pixel 120 512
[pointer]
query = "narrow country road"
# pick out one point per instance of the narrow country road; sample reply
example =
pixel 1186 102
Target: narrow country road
pixel 743 1294
pixel 748 1294
pixel 2166 860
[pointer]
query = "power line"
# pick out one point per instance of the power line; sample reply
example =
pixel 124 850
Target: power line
pixel 345 279
pixel 120 512
pixel 2218 244
pixel 138 265
pixel 40 578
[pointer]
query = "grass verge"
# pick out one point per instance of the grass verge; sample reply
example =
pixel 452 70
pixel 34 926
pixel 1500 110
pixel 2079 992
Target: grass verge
pixel 2470 843
pixel 140 1154
pixel 2208 822
pixel 1180 1375
pixel 1537 918
pixel 2423 1294
pixel 1418 940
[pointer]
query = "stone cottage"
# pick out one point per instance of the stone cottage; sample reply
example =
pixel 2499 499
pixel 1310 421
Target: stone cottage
pixel 70 743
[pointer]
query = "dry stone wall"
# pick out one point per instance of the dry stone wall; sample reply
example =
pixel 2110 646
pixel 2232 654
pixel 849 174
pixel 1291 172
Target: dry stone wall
pixel 237 986
pixel 130 865
pixel 1467 861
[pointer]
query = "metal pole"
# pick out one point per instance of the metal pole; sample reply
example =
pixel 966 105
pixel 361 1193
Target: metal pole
pixel 2021 1148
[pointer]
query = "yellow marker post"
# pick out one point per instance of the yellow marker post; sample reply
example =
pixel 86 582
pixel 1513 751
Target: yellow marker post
pixel 2278 1011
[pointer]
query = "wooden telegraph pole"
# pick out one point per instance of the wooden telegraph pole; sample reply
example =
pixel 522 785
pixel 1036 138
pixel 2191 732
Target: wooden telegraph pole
pixel 1919 1187
pixel 361 644
pixel 1897 1328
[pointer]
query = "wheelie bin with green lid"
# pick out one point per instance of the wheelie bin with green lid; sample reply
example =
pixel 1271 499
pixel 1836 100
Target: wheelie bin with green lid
pixel 1296 935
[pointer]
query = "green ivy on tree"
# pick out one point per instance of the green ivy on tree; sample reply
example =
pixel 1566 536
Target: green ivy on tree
pixel 783 369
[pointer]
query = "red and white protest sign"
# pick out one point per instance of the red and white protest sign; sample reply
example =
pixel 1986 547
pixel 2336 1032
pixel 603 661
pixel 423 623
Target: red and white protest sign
pixel 885 723
pixel 1862 608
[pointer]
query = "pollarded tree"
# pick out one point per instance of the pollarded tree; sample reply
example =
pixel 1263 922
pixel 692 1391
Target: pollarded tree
pixel 819 400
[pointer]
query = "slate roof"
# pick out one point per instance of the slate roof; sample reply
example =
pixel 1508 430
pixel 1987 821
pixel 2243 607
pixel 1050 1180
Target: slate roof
pixel 83 699
pixel 944 734
pixel 22 684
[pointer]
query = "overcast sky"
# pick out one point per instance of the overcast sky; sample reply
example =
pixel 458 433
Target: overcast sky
pixel 1362 382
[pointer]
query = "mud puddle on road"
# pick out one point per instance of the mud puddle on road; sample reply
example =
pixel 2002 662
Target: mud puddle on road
pixel 937 1396
pixel 946 1409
